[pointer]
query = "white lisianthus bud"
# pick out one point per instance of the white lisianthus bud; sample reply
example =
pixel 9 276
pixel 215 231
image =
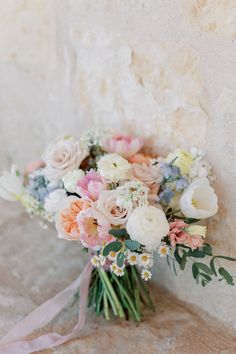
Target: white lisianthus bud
pixel 198 230
pixel 11 185
pixel 199 200
pixel 148 225
pixel 71 179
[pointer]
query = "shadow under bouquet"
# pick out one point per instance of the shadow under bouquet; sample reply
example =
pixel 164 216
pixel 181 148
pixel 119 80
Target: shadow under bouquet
pixel 125 208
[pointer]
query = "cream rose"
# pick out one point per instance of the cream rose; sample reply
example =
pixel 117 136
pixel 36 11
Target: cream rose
pixel 63 156
pixel 148 225
pixel 113 167
pixel 70 180
pixel 108 205
pixel 199 200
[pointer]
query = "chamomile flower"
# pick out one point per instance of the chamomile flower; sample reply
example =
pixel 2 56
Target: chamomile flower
pixel 113 267
pixel 132 258
pixel 145 260
pixel 95 260
pixel 119 271
pixel 146 274
pixel 163 250
pixel 112 256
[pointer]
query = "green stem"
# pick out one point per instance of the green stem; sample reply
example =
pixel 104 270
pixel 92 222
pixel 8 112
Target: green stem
pixel 129 301
pixel 109 286
pixel 105 306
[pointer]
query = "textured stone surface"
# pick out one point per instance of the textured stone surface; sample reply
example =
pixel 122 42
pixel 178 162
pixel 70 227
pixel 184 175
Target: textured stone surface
pixel 157 68
pixel 213 16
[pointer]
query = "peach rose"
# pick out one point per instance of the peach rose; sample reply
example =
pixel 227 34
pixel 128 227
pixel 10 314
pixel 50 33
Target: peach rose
pixel 33 166
pixel 140 158
pixel 66 223
pixel 150 175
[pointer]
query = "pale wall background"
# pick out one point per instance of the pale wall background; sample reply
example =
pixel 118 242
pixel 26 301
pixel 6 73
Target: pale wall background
pixel 162 68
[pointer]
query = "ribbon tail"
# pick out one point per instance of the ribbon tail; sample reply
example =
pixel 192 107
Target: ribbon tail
pixel 14 342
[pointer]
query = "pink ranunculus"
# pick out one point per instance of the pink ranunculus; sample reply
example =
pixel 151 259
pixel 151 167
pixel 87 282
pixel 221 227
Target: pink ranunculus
pixel 91 185
pixel 178 235
pixel 124 145
pixel 94 228
pixel 195 242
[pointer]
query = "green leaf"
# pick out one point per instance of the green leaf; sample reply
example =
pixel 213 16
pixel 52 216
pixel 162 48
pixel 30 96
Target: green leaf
pixel 190 220
pixel 120 259
pixel 177 256
pixel 204 268
pixel 226 275
pixel 195 270
pixel 196 254
pixel 132 245
pixel 212 265
pixel 207 249
pixel 206 276
pixel 183 261
pixel 118 233
pixel 113 246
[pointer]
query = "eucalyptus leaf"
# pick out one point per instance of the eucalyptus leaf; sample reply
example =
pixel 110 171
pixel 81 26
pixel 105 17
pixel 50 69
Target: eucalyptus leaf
pixel 120 259
pixel 177 256
pixel 113 246
pixel 204 268
pixel 183 261
pixel 132 245
pixel 195 270
pixel 118 233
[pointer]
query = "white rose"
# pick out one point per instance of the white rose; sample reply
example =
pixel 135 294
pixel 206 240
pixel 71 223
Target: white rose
pixel 199 200
pixel 54 200
pixel 63 156
pixel 11 185
pixel 108 205
pixel 113 167
pixel 71 179
pixel 148 225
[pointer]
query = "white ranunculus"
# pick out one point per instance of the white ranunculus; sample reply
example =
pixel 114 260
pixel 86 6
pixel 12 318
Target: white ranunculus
pixel 148 225
pixel 71 179
pixel 113 167
pixel 199 200
pixel 54 200
pixel 63 156
pixel 11 185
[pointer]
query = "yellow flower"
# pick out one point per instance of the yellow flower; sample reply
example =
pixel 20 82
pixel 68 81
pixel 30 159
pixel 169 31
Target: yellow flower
pixel 183 160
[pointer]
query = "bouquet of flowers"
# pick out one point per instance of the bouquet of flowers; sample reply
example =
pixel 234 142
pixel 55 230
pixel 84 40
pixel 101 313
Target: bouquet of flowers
pixel 124 207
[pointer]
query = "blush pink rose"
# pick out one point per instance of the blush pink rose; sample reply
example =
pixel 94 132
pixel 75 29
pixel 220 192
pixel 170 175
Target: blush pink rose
pixel 124 145
pixel 91 185
pixel 94 228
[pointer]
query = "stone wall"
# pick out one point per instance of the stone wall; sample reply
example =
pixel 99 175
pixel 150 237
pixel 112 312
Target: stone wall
pixel 162 68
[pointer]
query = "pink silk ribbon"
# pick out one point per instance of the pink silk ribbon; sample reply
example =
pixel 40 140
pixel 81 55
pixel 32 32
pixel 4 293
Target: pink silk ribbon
pixel 14 342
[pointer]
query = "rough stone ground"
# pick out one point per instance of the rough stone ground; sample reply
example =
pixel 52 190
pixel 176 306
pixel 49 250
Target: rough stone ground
pixel 35 265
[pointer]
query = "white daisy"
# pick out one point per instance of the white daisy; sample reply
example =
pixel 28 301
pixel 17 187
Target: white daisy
pixel 95 261
pixel 113 267
pixel 120 271
pixel 132 258
pixel 163 250
pixel 145 260
pixel 112 256
pixel 146 274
